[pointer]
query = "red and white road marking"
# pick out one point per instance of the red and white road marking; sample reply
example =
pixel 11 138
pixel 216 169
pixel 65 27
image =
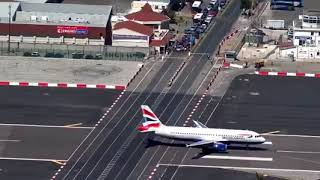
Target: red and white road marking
pixel 291 74
pixel 62 85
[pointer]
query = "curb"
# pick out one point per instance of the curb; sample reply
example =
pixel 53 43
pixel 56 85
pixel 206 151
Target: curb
pixel 287 74
pixel 62 85
pixel 225 39
pixel 135 75
pixel 176 73
pixel 203 96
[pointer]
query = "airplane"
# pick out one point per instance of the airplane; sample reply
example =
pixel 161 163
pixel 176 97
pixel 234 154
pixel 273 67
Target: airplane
pixel 207 138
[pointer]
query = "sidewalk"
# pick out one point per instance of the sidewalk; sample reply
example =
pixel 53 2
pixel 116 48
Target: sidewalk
pixel 50 70
pixel 233 42
pixel 285 66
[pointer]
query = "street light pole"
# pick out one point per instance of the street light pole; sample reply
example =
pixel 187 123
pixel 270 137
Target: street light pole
pixel 9 39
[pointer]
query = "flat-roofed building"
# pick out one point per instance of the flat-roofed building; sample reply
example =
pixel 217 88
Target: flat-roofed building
pixel 59 20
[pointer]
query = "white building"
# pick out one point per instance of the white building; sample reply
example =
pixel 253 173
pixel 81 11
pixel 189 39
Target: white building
pixel 131 34
pixel 307 33
pixel 306 39
pixel 156 5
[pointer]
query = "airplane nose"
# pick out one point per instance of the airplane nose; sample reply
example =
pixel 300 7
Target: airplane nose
pixel 263 139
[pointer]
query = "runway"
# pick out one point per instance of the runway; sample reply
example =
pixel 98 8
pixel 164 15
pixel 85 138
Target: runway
pixel 113 150
pixel 35 170
pixel 39 142
pixel 41 127
pixel 53 106
pixel 295 148
pixel 189 173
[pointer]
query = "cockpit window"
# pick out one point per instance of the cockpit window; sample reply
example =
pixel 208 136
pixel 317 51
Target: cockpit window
pixel 258 136
pixel 250 136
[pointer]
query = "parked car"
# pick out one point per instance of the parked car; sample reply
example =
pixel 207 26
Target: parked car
pixel 212 13
pixel 208 20
pixel 187 31
pixel 223 2
pixel 35 54
pixel 180 47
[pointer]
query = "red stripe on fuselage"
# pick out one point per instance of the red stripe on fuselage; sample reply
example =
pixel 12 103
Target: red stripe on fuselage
pixel 146 127
pixel 149 113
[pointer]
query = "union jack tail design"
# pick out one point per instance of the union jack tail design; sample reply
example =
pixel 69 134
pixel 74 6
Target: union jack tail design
pixel 151 121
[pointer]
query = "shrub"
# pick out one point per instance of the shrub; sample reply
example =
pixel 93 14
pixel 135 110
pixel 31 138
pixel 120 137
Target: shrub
pixel 59 55
pixel 88 56
pixel 49 54
pixel 27 54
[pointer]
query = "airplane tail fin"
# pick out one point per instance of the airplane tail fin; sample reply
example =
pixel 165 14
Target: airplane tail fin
pixel 151 121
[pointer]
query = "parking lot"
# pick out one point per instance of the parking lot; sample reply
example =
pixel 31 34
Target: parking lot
pixel 41 127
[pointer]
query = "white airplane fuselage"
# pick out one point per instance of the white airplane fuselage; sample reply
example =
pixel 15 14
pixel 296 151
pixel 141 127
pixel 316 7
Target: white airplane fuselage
pixel 229 136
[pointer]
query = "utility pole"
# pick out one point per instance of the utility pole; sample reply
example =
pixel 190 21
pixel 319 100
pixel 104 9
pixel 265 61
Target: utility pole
pixel 9 39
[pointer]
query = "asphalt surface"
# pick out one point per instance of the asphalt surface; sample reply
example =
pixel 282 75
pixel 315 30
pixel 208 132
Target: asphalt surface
pixel 40 142
pixel 189 173
pixel 114 150
pixel 35 170
pixel 29 135
pixel 53 106
pixel 263 104
pixel 29 152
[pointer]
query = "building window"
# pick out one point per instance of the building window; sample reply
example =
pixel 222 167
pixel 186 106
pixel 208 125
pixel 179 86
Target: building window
pixel 302 42
pixel 156 6
pixel 312 33
pixel 163 7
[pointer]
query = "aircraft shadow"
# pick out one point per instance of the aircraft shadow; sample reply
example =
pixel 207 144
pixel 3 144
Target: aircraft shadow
pixel 152 143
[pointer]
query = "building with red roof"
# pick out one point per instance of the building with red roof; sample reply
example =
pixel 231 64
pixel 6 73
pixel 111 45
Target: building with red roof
pixel 148 17
pixel 133 34
pixel 144 28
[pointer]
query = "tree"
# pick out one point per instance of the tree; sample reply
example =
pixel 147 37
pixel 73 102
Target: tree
pixel 246 4
pixel 170 13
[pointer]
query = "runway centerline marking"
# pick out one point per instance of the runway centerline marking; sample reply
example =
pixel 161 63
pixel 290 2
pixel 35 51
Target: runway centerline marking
pixel 73 125
pixel 31 159
pixel 45 126
pixel 243 158
pixel 299 152
pixel 10 140
pixel 242 168
pixel 292 135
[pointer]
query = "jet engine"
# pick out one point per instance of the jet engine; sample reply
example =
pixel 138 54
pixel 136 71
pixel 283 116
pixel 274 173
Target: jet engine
pixel 220 147
pixel 216 147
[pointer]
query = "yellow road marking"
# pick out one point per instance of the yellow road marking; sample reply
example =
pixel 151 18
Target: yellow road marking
pixel 73 125
pixel 59 162
pixel 272 132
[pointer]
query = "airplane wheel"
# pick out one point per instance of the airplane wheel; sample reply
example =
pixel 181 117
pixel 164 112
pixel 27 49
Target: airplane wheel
pixel 205 150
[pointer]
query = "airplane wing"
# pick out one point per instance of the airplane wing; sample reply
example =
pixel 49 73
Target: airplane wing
pixel 206 141
pixel 199 124
pixel 199 143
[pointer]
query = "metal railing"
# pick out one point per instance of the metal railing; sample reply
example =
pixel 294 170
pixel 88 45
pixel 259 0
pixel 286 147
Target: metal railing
pixel 75 51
